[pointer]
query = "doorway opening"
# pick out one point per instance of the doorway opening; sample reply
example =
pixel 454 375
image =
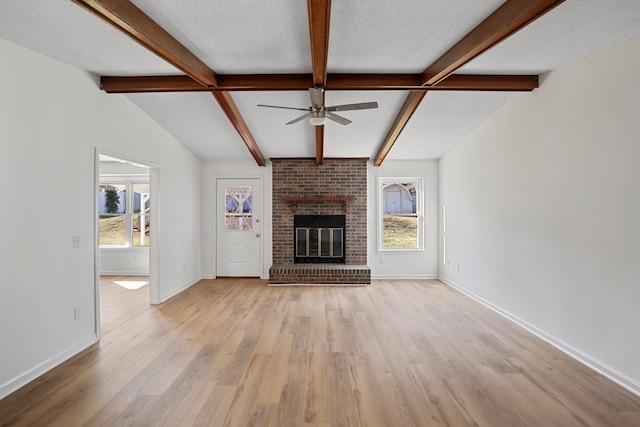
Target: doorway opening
pixel 125 230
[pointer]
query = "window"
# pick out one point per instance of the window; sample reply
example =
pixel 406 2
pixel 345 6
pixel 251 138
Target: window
pixel 123 213
pixel 400 219
pixel 238 208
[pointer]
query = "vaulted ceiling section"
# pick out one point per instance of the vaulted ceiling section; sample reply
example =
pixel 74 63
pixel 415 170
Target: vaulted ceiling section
pixel 437 69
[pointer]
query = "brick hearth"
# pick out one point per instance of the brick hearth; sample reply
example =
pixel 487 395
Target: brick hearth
pixel 334 178
pixel 319 273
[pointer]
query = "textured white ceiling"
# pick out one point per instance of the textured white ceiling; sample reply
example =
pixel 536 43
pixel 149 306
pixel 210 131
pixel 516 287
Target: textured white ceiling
pixel 362 137
pixel 196 120
pixel 268 124
pixel 64 31
pixel 240 36
pixel 382 36
pixel 374 36
pixel 573 30
pixel 443 119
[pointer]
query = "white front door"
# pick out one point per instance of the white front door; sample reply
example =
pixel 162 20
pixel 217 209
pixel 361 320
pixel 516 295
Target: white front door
pixel 239 230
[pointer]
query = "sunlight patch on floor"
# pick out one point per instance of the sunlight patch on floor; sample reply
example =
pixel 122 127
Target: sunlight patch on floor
pixel 130 284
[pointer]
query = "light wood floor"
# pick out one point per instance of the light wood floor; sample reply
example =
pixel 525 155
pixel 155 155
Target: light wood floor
pixel 238 353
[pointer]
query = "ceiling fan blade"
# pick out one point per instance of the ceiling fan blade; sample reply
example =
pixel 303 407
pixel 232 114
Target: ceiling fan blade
pixel 317 97
pixel 298 119
pixel 286 108
pixel 349 107
pixel 338 119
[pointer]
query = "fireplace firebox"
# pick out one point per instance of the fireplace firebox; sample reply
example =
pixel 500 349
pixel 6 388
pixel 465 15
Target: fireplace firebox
pixel 319 239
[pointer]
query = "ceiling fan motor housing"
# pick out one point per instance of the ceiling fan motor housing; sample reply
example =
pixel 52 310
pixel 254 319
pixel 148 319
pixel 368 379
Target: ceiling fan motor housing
pixel 317 117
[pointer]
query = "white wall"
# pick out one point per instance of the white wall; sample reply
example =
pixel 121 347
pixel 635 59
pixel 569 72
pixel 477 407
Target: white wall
pixel 211 170
pixel 52 116
pixel 543 203
pixel 404 265
pixel 125 261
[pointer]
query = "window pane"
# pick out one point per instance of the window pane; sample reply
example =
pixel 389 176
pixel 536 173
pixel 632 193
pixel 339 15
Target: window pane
pixel 400 226
pixel 140 224
pixel 141 214
pixel 141 198
pixel 400 232
pixel 238 208
pixel 112 198
pixel 111 230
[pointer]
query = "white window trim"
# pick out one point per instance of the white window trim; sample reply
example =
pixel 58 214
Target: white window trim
pixel 129 181
pixel 382 180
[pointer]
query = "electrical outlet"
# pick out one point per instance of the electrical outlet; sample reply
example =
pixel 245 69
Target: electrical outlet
pixel 458 268
pixel 76 313
pixel 76 241
pixel 184 267
pixel 381 260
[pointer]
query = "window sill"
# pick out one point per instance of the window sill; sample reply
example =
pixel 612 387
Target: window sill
pixel 396 250
pixel 124 248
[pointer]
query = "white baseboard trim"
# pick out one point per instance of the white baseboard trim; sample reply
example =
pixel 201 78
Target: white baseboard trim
pixel 619 378
pixel 209 277
pixel 187 285
pixel 124 273
pixel 25 378
pixel 404 276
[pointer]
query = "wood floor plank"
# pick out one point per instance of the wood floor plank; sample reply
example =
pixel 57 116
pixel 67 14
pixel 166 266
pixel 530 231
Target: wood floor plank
pixel 429 398
pixel 316 406
pixel 270 333
pixel 244 405
pixel 238 352
pixel 276 373
pixel 292 397
pixel 342 403
pixel 216 408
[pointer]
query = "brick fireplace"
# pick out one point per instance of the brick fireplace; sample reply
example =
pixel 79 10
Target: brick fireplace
pixel 337 187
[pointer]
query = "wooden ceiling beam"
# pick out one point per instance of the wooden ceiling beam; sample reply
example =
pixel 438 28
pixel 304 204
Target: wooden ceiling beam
pixel 143 84
pixel 319 20
pixel 286 82
pixel 408 108
pixel 231 110
pixel 468 82
pixel 267 81
pixel 319 144
pixel 488 82
pixel 132 21
pixel 509 18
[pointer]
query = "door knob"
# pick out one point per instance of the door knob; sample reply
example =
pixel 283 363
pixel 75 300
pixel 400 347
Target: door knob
pixel 258 235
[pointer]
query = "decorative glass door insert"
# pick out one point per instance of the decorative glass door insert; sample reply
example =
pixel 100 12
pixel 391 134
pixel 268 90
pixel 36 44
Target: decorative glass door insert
pixel 238 208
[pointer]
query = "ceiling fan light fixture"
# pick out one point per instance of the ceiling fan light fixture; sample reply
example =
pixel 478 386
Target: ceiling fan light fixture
pixel 318 118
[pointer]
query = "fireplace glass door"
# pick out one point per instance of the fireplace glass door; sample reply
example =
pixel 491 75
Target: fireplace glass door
pixel 319 239
pixel 319 242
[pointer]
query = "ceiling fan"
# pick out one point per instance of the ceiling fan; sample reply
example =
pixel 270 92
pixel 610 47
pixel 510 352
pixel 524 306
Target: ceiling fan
pixel 318 113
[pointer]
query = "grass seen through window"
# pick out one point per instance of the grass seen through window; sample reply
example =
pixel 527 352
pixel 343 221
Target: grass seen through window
pixel 399 231
pixel 112 231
